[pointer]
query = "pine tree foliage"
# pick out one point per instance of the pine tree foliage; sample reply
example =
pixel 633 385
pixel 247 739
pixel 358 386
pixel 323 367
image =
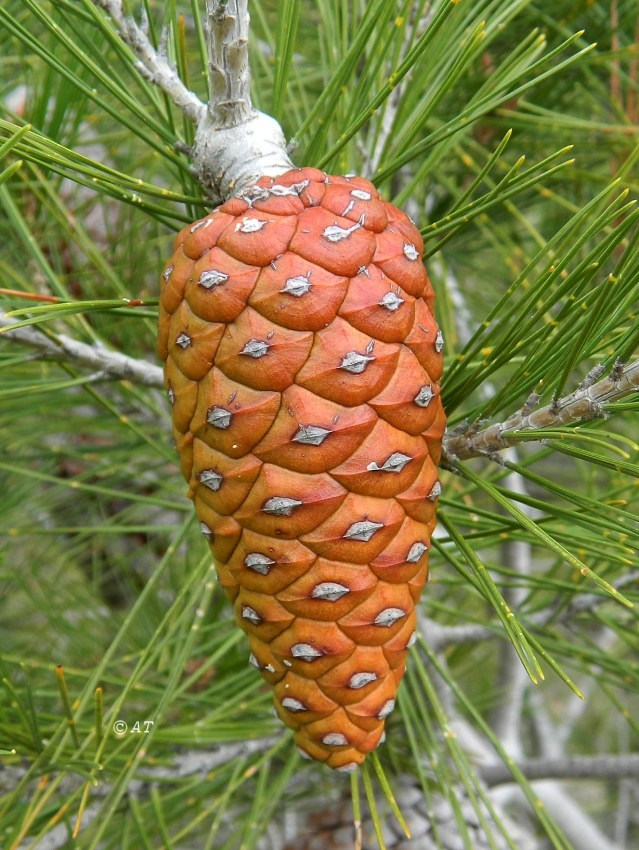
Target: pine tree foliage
pixel 511 139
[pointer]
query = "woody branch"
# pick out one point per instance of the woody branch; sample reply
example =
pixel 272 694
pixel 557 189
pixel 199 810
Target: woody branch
pixel 582 405
pixel 235 144
pixel 111 364
pixel 229 75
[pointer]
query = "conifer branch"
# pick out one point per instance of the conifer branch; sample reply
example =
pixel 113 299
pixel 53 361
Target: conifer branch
pixel 235 144
pixel 112 364
pixel 566 767
pixel 191 763
pixel 153 64
pixel 580 406
pixel 227 33
pixel 584 404
pixel 440 637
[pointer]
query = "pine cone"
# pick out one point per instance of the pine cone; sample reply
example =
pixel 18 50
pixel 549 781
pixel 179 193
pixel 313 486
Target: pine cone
pixel 302 363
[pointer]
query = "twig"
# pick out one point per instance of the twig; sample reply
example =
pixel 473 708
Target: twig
pixel 193 762
pixel 570 817
pixel 202 762
pixel 567 767
pixel 580 406
pixel 235 144
pixel 575 709
pixel 227 34
pixel 153 64
pixel 584 602
pixel 111 364
pixel 626 790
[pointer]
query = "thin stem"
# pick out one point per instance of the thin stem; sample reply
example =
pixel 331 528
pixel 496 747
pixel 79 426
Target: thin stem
pixel 512 681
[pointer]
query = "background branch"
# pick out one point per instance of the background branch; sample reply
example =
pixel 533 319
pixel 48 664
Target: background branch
pixel 512 681
pixel 440 637
pixel 569 815
pixel 566 767
pixel 190 763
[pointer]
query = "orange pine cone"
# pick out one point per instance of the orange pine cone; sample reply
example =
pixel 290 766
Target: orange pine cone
pixel 303 364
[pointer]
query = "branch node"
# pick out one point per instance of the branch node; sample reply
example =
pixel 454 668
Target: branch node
pixel 616 373
pixel 530 404
pixel 494 455
pixel 461 428
pixel 599 412
pixel 592 377
pixel 448 461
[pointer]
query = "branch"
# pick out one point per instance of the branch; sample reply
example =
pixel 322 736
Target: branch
pixel 584 602
pixel 111 364
pixel 153 65
pixel 235 144
pixel 227 34
pixel 584 404
pixel 116 366
pixel 566 767
pixel 323 817
pixel 440 637
pixel 570 817
pixel 202 762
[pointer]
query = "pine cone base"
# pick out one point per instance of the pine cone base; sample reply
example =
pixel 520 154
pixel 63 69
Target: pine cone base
pixel 303 364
